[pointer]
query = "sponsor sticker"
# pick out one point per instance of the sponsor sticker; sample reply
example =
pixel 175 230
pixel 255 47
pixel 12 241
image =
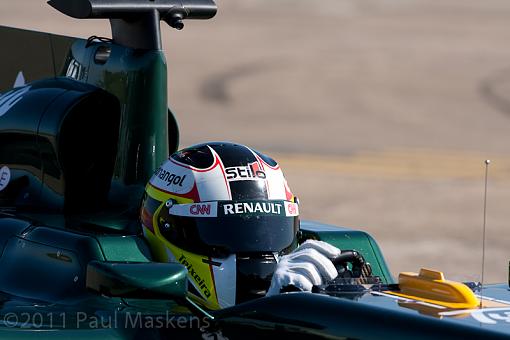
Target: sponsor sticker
pixel 232 208
pixel 5 177
pixel 249 172
pixel 172 181
pixel 192 273
pixel 291 209
pixel 207 209
pixel 267 208
pixel 490 316
pixel 169 178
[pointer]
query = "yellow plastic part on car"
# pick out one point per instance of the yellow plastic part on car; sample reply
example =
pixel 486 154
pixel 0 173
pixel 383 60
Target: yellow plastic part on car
pixel 430 286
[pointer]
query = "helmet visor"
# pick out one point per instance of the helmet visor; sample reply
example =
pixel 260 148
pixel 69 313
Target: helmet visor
pixel 223 227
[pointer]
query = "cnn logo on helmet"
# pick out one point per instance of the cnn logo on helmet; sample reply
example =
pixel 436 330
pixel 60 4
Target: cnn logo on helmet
pixel 200 209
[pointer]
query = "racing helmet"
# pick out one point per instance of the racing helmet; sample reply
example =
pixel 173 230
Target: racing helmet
pixel 226 213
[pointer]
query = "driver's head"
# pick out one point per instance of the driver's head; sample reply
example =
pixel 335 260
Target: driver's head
pixel 225 212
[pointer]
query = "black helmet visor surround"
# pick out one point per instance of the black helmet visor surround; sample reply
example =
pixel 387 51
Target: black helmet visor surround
pixel 235 227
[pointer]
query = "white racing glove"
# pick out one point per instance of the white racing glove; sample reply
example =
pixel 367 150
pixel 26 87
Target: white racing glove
pixel 310 264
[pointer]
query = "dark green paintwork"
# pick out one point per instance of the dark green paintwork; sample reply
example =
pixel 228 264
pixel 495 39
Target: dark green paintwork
pixel 139 81
pixel 57 165
pixel 148 130
pixel 138 279
pixel 124 248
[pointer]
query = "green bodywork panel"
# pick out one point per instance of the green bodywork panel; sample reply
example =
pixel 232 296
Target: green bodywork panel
pixel 154 280
pixel 349 239
pixel 144 139
pixel 130 74
pixel 124 248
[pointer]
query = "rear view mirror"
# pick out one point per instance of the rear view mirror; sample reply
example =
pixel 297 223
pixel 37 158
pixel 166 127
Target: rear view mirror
pixel 141 280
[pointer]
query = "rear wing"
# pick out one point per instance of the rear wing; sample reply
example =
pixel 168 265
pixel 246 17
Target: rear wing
pixel 135 23
pixel 29 55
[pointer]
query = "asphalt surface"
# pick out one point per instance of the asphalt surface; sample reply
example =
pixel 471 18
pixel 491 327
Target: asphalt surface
pixel 380 112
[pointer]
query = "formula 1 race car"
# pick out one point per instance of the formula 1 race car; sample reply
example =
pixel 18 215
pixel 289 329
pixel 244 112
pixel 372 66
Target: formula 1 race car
pixel 79 142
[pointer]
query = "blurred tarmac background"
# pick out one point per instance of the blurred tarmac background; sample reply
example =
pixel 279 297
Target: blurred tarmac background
pixel 381 112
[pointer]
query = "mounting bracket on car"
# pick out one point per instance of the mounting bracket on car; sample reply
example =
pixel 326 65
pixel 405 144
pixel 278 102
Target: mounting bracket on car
pixel 135 23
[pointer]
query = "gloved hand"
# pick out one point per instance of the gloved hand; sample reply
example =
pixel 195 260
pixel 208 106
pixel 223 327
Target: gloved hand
pixel 310 264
